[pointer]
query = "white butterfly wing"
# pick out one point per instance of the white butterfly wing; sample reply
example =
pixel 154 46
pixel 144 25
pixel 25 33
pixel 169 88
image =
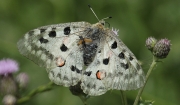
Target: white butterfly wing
pixel 114 67
pixel 55 47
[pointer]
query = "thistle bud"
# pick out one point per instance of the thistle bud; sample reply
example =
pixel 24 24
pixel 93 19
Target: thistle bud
pixel 162 48
pixel 8 85
pixel 150 43
pixel 9 100
pixel 22 80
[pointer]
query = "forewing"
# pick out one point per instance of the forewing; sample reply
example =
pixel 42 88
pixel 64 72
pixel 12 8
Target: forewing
pixel 55 47
pixel 114 67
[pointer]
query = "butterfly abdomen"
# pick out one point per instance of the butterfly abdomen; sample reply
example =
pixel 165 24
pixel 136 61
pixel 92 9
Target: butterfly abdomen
pixel 90 47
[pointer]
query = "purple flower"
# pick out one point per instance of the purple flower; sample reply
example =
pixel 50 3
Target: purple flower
pixel 8 66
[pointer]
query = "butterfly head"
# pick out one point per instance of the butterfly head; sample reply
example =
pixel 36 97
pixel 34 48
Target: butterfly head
pixel 101 23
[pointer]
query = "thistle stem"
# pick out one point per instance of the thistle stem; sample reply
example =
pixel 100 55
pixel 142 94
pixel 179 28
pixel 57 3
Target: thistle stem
pixel 40 89
pixel 154 62
pixel 123 98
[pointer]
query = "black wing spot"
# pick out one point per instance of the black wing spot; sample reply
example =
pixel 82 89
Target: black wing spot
pixel 106 61
pixel 63 48
pixel 66 78
pixel 31 32
pixel 125 66
pixel 138 66
pixel 88 73
pixel 114 45
pixel 52 34
pixel 42 30
pixel 78 71
pixel 73 68
pixel 121 55
pixel 52 73
pixel 59 75
pixel 67 31
pixel 54 28
pixel 42 40
pixel 131 58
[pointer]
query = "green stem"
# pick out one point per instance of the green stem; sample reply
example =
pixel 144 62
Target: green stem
pixel 123 98
pixel 40 89
pixel 154 62
pixel 83 99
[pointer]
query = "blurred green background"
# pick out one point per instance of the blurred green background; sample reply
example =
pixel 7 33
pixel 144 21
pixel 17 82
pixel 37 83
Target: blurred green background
pixel 136 20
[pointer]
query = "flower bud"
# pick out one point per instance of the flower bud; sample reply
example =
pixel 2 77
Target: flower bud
pixel 162 48
pixel 8 85
pixel 9 100
pixel 150 43
pixel 22 80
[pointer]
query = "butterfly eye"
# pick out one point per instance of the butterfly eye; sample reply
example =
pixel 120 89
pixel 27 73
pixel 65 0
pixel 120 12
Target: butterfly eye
pixel 103 24
pixel 67 31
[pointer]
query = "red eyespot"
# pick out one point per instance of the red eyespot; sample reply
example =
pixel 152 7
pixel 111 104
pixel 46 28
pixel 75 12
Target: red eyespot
pixel 100 74
pixel 60 62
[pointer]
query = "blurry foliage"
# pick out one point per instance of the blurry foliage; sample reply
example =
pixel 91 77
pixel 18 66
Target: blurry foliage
pixel 136 20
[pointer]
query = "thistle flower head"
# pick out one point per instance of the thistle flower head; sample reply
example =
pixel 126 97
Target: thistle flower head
pixel 162 48
pixel 150 43
pixel 8 66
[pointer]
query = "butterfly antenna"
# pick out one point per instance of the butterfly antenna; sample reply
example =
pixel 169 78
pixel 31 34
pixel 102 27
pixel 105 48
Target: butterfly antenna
pixel 107 18
pixel 93 12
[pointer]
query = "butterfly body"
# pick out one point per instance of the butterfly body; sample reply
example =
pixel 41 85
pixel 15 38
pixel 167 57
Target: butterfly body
pixel 79 52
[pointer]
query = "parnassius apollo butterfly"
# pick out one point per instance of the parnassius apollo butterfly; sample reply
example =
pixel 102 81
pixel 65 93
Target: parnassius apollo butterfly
pixel 83 53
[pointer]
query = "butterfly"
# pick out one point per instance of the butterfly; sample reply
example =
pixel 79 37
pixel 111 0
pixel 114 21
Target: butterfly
pixel 79 52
